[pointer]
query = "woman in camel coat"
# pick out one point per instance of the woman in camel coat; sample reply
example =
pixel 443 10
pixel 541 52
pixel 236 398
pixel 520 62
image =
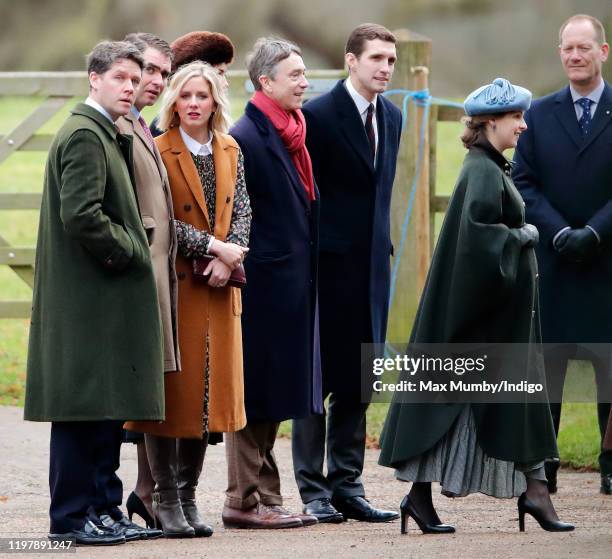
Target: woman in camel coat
pixel 212 212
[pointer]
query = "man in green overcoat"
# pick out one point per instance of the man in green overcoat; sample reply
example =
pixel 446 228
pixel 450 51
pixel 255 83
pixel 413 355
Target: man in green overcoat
pixel 95 353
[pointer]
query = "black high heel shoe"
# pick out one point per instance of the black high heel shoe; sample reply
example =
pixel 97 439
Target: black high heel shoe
pixel 408 509
pixel 134 504
pixel 525 506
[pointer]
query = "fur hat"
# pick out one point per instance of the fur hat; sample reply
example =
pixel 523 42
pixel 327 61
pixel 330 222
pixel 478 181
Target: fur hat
pixel 214 48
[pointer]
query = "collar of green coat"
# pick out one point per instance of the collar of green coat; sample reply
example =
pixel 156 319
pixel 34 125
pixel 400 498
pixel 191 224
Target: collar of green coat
pixel 484 146
pixel 86 110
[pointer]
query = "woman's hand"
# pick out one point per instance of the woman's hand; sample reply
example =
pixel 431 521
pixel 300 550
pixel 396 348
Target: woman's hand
pixel 219 273
pixel 230 254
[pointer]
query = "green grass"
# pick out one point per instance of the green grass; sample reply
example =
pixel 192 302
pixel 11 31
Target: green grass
pixel 579 436
pixel 23 172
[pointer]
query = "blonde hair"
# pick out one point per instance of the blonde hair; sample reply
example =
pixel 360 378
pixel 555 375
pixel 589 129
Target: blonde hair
pixel 220 119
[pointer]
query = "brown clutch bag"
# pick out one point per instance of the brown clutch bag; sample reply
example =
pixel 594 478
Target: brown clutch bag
pixel 236 279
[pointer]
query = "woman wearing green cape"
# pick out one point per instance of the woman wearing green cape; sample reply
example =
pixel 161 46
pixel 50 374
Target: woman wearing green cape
pixel 481 288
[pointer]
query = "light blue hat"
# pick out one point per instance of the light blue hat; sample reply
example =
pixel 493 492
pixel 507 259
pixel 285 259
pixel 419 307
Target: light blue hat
pixel 497 97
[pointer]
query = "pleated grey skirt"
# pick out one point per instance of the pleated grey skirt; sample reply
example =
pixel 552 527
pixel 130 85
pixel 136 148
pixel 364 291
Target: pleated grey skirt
pixel 461 467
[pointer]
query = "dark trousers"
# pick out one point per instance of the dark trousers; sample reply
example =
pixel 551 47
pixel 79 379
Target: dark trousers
pixel 556 370
pixel 84 458
pixel 252 472
pixel 344 426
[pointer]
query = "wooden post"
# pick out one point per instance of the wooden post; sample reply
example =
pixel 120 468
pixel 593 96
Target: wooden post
pixel 413 51
pixel 421 202
pixel 433 162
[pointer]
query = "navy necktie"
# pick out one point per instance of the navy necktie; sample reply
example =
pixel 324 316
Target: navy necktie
pixel 369 127
pixel 585 120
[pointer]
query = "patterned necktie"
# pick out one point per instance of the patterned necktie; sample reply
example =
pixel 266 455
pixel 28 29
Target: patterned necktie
pixel 147 133
pixel 369 128
pixel 585 120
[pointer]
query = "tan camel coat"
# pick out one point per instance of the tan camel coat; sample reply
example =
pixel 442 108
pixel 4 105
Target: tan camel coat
pixel 202 310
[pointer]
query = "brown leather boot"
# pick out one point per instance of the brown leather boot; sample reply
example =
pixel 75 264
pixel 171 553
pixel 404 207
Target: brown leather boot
pixel 167 510
pixel 258 517
pixel 190 459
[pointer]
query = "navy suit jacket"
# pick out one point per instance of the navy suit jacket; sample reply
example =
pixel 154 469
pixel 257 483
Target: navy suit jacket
pixel 566 180
pixel 354 228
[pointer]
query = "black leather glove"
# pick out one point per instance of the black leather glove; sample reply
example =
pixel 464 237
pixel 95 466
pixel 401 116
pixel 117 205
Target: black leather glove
pixel 577 245
pixel 528 235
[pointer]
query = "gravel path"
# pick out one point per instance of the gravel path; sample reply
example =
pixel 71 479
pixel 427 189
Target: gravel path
pixel 486 527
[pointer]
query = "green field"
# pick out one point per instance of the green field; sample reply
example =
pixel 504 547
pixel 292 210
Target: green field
pixel 23 172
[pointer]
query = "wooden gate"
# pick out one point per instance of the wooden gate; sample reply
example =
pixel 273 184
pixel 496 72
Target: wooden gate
pixel 57 89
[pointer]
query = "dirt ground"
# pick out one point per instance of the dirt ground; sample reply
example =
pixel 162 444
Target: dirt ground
pixel 486 527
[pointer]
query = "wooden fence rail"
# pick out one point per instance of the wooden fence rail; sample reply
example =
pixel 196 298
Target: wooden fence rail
pixel 57 89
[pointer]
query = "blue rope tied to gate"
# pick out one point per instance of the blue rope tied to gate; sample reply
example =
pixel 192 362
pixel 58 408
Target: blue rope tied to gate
pixel 420 98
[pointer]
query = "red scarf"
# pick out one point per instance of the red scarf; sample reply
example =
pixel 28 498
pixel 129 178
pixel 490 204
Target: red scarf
pixel 291 127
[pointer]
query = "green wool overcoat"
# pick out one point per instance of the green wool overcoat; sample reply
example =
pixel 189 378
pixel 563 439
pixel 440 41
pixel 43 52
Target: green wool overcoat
pixel 95 348
pixel 482 287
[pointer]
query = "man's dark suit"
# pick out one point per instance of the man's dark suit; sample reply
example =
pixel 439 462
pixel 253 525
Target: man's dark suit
pixel 354 277
pixel 566 181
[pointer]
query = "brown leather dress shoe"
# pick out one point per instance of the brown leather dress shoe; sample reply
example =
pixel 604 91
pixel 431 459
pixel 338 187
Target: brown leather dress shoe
pixel 259 517
pixel 307 519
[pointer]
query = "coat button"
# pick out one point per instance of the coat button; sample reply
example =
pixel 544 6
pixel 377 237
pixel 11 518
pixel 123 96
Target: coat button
pixel 537 276
pixel 187 207
pixel 181 275
pixel 227 200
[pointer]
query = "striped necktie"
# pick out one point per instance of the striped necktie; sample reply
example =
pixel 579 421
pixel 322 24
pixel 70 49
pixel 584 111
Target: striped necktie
pixel 147 133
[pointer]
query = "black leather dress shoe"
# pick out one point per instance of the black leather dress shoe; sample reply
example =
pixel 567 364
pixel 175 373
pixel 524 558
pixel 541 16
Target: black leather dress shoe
pixel 358 508
pixel 90 534
pixel 606 484
pixel 129 530
pixel 323 511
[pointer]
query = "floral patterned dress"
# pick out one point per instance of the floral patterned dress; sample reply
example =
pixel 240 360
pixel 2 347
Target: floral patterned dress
pixel 193 242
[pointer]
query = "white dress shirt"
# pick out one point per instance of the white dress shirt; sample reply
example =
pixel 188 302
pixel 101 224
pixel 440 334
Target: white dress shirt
pixel 196 147
pixel 89 101
pixel 594 96
pixel 362 105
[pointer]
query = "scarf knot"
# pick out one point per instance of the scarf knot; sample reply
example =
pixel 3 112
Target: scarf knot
pixel 291 127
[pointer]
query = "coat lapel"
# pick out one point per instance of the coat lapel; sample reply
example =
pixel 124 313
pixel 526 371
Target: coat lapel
pixel 275 145
pixel 603 116
pixel 352 126
pixel 188 168
pixel 382 124
pixel 139 133
pixel 566 114
pixel 223 178
pixel 277 148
